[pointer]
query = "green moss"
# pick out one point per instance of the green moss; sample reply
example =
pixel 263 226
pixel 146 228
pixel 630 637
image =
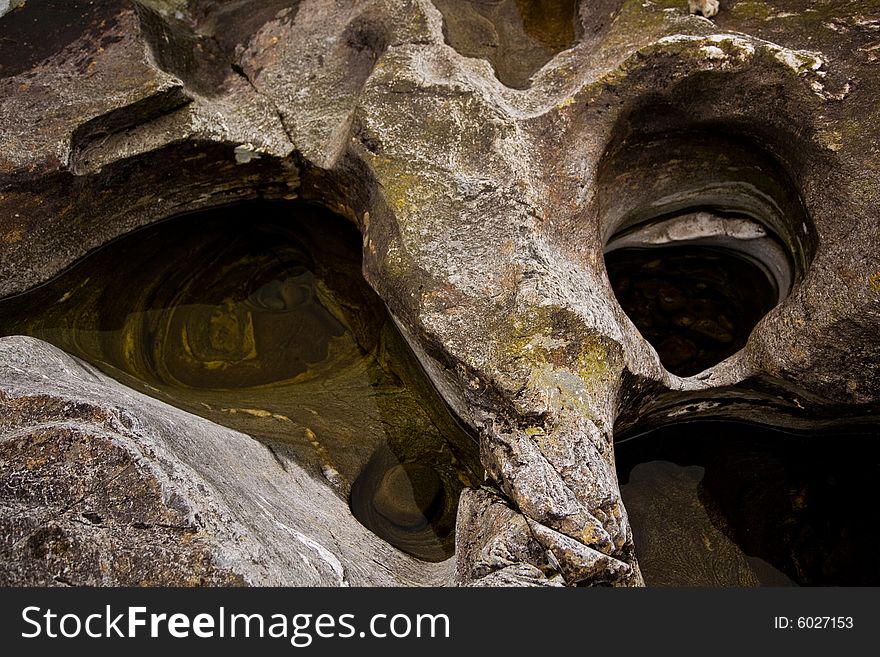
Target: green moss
pixel 637 24
pixel 550 335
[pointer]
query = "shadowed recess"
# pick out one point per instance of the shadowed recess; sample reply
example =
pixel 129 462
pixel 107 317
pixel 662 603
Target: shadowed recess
pixel 202 44
pixel 695 305
pixel 704 233
pixel 731 504
pixel 257 316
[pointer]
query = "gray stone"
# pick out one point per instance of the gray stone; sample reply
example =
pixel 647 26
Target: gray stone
pixel 484 210
pixel 8 5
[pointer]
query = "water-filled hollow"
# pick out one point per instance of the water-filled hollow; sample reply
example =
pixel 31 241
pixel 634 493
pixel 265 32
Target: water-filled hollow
pixel 696 305
pixel 720 503
pixel 704 233
pixel 517 37
pixel 256 316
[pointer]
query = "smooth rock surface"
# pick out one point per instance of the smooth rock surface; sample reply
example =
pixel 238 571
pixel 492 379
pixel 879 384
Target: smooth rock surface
pixel 105 486
pixel 484 210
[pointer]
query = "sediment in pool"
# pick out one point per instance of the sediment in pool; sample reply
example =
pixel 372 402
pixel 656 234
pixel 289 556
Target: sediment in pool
pixel 696 305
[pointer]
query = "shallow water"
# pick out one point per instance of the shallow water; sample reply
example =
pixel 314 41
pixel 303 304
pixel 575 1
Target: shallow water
pixel 695 305
pixel 257 316
pixel 730 504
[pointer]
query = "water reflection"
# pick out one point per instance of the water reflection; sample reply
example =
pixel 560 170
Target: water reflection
pixel 518 37
pixel 729 504
pixel 256 316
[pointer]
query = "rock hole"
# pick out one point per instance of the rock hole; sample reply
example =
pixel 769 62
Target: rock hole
pixel 92 517
pixel 408 504
pixel 697 298
pixel 719 503
pixel 703 237
pixel 256 316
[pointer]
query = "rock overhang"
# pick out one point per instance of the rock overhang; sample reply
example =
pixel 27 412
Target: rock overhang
pixel 482 206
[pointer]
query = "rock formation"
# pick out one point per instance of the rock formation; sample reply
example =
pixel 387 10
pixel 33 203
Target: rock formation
pixel 487 157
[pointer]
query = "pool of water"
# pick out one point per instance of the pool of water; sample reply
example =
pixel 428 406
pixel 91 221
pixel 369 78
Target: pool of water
pixel 730 504
pixel 695 305
pixel 257 316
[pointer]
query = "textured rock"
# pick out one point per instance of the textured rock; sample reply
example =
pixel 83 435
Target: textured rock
pixel 105 486
pixel 8 5
pixel 491 537
pixel 485 208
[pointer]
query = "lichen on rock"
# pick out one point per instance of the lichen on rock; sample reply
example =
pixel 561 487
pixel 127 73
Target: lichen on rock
pixel 486 177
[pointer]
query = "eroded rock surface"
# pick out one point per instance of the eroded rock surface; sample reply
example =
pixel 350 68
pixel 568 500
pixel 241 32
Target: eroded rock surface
pixel 105 486
pixel 484 210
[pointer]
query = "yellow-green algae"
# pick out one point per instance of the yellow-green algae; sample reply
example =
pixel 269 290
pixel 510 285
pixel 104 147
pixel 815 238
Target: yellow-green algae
pixel 571 365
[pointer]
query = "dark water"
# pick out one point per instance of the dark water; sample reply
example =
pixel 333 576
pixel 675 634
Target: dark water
pixel 517 37
pixel 41 28
pixel 695 305
pixel 257 316
pixel 729 504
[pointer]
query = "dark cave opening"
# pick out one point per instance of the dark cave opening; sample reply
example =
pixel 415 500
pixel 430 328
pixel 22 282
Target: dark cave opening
pixel 720 503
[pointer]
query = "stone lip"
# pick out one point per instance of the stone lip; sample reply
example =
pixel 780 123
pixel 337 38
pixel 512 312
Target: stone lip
pixel 111 487
pixel 482 210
